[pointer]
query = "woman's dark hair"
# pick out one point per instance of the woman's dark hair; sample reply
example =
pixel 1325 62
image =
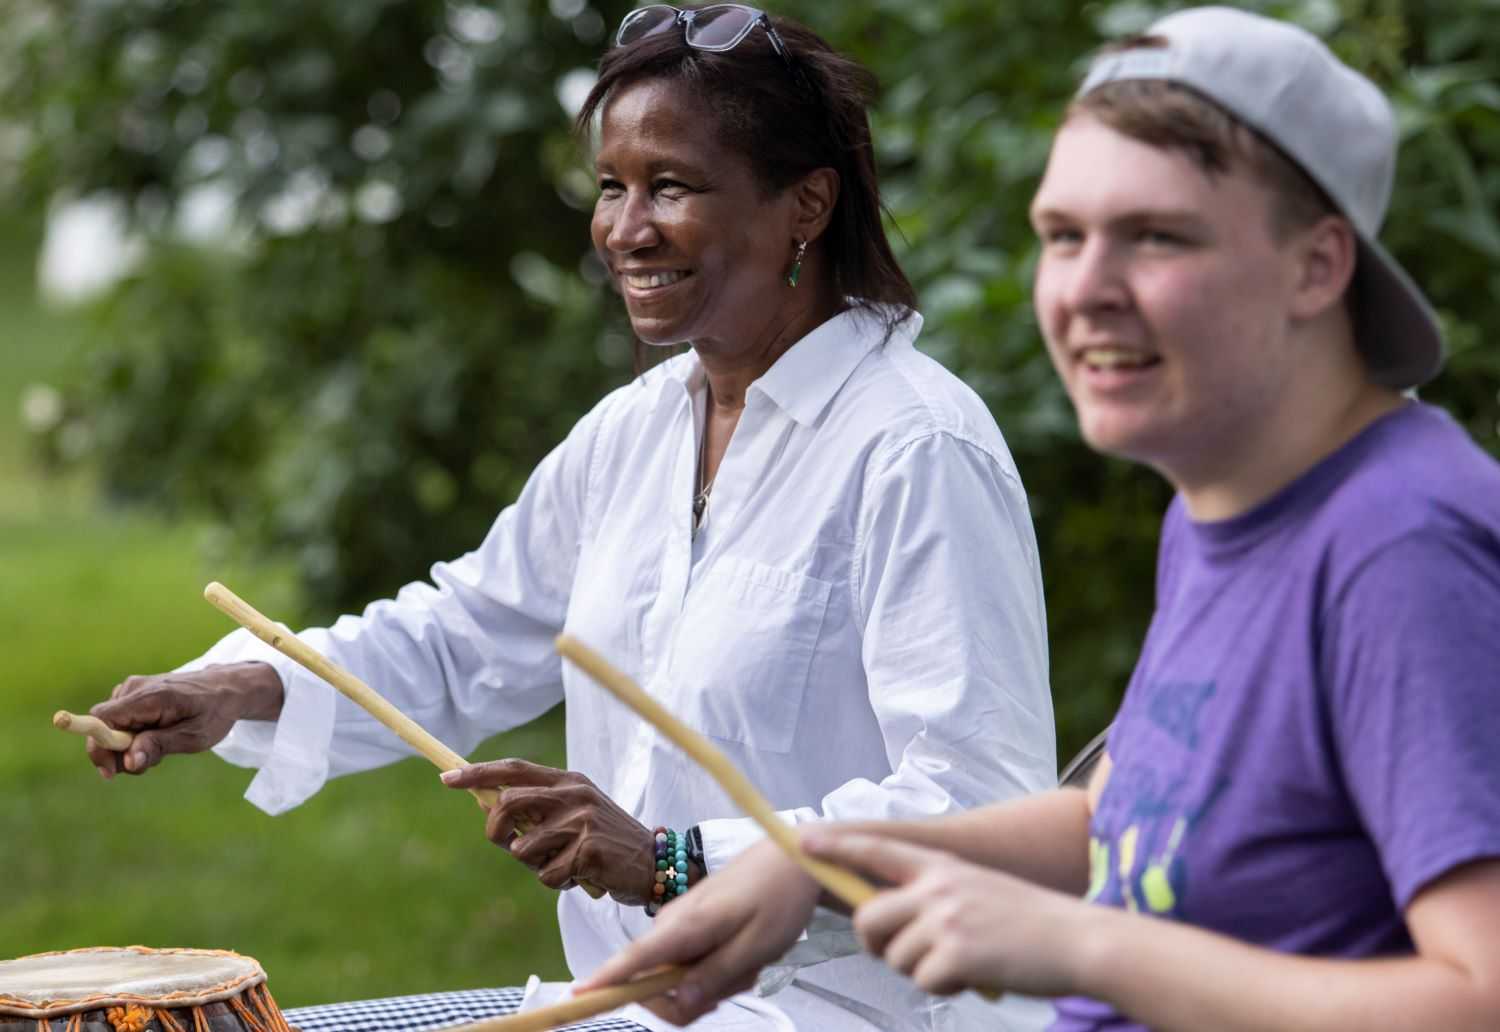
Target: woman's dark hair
pixel 786 121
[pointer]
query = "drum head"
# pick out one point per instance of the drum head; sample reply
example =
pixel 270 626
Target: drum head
pixel 49 984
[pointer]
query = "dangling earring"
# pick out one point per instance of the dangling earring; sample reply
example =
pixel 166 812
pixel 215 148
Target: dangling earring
pixel 791 277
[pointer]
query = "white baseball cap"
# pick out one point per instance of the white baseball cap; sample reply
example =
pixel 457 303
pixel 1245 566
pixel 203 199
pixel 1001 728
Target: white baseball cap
pixel 1334 123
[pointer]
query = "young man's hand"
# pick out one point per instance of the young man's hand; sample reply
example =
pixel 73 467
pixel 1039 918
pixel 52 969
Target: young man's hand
pixel 724 931
pixel 951 925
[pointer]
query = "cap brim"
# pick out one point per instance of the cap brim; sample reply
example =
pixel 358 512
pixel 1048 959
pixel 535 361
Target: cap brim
pixel 1398 333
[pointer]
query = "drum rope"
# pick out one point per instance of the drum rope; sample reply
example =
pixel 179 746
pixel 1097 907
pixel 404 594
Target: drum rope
pixel 75 1024
pixel 270 1017
pixel 129 1018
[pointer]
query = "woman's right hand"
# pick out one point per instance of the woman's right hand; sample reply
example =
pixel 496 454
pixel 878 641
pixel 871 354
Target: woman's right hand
pixel 183 713
pixel 724 931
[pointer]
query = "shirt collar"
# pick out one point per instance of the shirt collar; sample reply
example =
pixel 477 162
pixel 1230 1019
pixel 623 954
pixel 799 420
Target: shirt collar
pixel 804 380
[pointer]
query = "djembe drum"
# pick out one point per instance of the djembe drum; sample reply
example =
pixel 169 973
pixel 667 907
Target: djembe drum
pixel 136 989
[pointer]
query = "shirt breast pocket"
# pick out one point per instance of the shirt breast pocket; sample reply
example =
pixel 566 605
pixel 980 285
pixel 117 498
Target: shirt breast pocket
pixel 742 651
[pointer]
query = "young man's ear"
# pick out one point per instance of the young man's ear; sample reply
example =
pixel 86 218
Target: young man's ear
pixel 1326 256
pixel 814 198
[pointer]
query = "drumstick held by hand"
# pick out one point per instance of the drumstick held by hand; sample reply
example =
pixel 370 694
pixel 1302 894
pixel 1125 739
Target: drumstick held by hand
pixel 92 727
pixel 846 885
pixel 409 731
pixel 585 1005
pixel 288 644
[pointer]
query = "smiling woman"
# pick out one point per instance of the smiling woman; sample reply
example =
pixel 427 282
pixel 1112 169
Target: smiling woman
pixel 694 243
pixel 802 536
pixel 753 167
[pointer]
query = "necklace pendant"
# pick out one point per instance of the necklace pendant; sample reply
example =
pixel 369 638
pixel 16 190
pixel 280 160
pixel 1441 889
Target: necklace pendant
pixel 700 507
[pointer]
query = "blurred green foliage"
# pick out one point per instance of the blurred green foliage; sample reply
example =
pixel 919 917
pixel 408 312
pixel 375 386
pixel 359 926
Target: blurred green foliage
pixel 88 594
pixel 408 318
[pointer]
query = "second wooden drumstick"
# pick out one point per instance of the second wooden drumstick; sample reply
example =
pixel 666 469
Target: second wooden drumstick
pixel 846 885
pixel 580 1007
pixel 94 728
pixel 408 730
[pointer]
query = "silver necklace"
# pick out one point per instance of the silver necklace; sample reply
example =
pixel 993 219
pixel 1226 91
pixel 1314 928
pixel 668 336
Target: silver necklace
pixel 700 497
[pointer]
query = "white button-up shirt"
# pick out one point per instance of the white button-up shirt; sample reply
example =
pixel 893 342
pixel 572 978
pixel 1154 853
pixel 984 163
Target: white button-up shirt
pixel 859 627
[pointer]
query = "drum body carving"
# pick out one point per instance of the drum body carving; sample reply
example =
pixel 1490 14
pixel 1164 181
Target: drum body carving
pixel 136 989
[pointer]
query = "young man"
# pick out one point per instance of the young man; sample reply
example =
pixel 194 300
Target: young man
pixel 1297 825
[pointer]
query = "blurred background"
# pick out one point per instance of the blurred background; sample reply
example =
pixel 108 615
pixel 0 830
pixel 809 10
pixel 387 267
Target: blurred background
pixel 294 293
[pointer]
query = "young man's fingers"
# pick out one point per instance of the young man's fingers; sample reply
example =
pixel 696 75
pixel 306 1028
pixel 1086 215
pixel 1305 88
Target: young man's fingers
pixel 879 920
pixel 906 947
pixel 936 973
pixel 718 976
pixel 644 954
pixel 626 964
pixel 890 860
pixel 670 942
pixel 670 1010
pixel 663 1007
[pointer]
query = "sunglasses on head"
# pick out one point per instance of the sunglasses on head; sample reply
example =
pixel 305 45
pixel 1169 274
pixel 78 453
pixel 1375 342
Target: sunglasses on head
pixel 717 27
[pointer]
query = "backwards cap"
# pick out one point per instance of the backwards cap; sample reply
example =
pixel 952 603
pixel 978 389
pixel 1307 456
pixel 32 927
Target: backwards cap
pixel 1334 123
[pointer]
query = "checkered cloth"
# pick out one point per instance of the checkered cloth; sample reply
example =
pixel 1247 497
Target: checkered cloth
pixel 429 1011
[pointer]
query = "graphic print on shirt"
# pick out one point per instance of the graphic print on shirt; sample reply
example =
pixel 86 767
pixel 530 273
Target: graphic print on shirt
pixel 1146 814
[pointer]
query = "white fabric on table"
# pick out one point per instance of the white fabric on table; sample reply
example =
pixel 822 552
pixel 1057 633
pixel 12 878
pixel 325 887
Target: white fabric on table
pixel 859 627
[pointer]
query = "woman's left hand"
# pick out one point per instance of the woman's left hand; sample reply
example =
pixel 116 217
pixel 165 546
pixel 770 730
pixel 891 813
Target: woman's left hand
pixel 951 925
pixel 576 832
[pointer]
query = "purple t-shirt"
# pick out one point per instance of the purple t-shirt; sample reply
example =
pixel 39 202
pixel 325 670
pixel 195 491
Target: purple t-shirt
pixel 1312 732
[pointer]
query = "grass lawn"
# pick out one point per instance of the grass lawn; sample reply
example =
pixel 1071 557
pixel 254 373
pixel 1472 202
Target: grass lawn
pixel 382 884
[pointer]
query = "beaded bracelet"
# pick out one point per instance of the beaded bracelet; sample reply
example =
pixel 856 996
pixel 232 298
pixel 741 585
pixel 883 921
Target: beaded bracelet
pixel 671 869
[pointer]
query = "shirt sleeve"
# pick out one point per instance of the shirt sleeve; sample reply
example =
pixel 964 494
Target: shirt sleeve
pixel 1411 657
pixel 465 655
pixel 948 590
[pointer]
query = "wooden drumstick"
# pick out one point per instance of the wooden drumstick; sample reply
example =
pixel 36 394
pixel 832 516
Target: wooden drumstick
pixel 409 731
pixel 846 885
pixel 585 1005
pixel 849 887
pixel 93 727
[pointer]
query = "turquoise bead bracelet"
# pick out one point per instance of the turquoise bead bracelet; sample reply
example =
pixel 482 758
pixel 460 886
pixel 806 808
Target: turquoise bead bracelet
pixel 671 858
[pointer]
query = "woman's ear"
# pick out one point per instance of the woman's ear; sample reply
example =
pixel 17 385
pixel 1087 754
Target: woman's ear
pixel 813 201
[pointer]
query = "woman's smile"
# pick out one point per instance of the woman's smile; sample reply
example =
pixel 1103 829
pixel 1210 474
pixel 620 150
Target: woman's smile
pixel 694 243
pixel 648 286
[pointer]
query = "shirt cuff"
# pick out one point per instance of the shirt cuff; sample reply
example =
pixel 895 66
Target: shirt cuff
pixel 297 765
pixel 727 837
pixel 290 752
